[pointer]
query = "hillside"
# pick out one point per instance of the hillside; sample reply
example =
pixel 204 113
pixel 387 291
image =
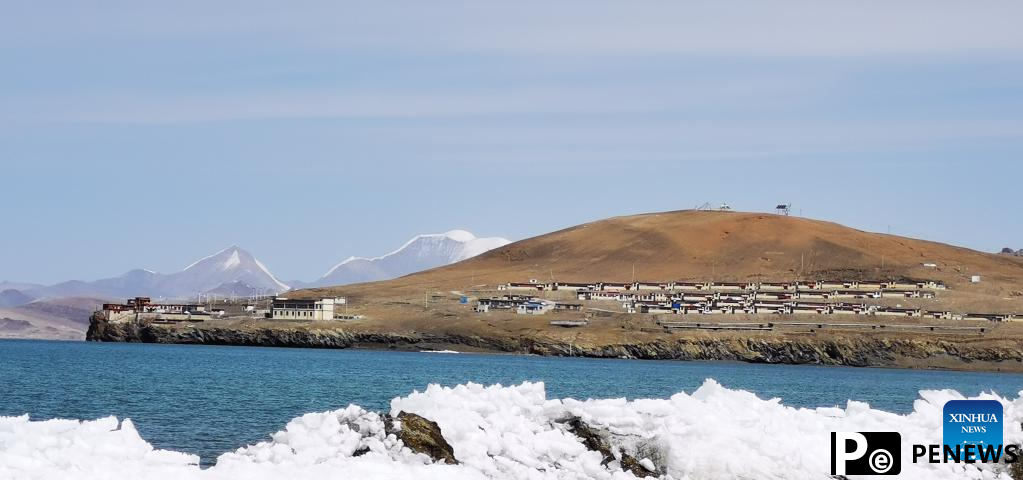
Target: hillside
pixel 720 246
pixel 435 309
pixel 58 319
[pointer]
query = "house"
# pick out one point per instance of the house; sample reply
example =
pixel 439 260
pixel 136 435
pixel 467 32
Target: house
pixel 773 295
pixel 690 286
pixel 871 285
pixel 606 295
pixel 994 317
pixel 728 286
pixel 571 286
pixel 807 285
pixel 655 296
pixel 535 307
pixel 653 286
pixel 904 285
pixel 524 286
pixel 568 306
pixel 697 297
pixel 142 309
pixel 654 308
pixel 612 286
pixel 907 312
pixel 508 302
pixel 847 309
pixel 304 309
pixel 834 285
pixel 811 308
pixel 771 306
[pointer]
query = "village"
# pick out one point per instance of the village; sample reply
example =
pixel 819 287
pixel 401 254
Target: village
pixel 749 298
pixel 690 301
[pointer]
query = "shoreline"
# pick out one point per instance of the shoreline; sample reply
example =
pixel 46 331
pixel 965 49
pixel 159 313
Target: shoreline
pixel 916 353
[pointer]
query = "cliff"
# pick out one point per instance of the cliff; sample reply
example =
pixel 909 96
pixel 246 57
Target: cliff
pixel 848 350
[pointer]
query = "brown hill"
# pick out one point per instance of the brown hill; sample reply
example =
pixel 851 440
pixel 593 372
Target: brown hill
pixel 426 310
pixel 721 246
pixel 58 318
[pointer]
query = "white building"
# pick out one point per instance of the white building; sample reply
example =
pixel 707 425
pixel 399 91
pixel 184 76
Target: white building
pixel 535 307
pixel 304 309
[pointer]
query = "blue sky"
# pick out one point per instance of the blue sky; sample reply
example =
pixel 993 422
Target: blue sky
pixel 149 134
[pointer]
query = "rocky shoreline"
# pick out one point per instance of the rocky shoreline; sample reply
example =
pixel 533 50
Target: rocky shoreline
pixel 856 351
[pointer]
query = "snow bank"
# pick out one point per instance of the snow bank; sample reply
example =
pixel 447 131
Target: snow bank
pixel 510 433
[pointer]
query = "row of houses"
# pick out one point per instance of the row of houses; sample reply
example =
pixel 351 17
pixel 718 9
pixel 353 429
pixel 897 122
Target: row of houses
pixel 709 303
pixel 747 295
pixel 142 308
pixel 824 285
pixel 737 306
pixel 524 305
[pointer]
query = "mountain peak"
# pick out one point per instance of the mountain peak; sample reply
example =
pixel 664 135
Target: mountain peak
pixel 460 235
pixel 232 264
pixel 422 252
pixel 228 257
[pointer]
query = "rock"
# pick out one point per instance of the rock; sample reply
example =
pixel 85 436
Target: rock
pixel 858 351
pixel 596 440
pixel 422 436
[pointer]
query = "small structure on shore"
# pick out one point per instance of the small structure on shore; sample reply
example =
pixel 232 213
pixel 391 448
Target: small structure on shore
pixel 140 309
pixel 535 307
pixel 304 309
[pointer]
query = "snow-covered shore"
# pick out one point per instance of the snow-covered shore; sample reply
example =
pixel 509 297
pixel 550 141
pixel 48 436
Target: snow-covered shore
pixel 510 432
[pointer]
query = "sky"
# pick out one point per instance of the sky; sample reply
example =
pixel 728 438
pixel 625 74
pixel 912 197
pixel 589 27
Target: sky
pixel 143 134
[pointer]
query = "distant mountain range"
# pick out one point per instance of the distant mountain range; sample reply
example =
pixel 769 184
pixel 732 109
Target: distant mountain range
pixel 236 272
pixel 422 252
pixel 62 310
pixel 230 266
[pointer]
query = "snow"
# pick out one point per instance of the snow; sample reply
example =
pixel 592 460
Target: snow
pixel 233 261
pixel 512 432
pixel 208 257
pixel 427 251
pixel 231 264
pixel 460 235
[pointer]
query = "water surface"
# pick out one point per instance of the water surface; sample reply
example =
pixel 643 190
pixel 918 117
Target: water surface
pixel 207 399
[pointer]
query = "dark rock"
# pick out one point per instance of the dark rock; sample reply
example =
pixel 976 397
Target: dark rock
pixel 596 440
pixel 422 436
pixel 860 351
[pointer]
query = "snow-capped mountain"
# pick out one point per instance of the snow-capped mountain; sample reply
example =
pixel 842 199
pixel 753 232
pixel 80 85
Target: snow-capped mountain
pixel 236 272
pixel 229 269
pixel 422 252
pixel 231 265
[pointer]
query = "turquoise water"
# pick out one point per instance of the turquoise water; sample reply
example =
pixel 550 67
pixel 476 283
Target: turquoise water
pixel 207 400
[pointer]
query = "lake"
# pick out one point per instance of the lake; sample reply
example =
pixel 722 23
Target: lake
pixel 207 399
